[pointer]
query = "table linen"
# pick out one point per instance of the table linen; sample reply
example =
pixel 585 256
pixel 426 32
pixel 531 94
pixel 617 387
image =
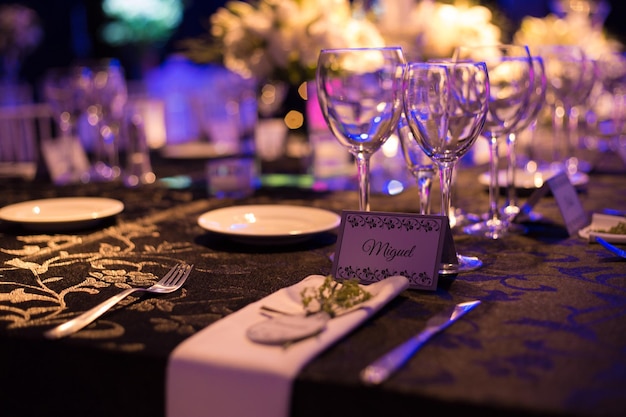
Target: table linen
pixel 548 339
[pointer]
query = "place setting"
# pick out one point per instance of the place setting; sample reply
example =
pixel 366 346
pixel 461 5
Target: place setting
pixel 272 339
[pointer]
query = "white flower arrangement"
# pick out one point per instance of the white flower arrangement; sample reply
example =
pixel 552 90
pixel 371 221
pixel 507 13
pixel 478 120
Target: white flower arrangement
pixel 281 39
pixel 568 30
pixel 432 29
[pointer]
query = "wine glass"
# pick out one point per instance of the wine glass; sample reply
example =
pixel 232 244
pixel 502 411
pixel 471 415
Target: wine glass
pixel 108 100
pixel 510 79
pixel 360 95
pixel 418 163
pixel 458 216
pixel 570 77
pixel 611 109
pixel 67 91
pixel 446 105
pixel 536 100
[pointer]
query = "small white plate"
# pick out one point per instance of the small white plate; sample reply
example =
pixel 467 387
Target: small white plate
pixel 528 180
pixel 269 223
pixel 61 213
pixel 603 222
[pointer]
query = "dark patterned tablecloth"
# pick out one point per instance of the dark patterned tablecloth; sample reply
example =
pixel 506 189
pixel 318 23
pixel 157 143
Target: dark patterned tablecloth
pixel 549 338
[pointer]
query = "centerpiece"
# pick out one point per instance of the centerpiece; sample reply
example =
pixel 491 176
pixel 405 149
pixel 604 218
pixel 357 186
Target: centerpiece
pixel 277 43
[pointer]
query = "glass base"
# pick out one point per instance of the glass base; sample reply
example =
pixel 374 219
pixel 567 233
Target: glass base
pixel 492 228
pixel 460 218
pixel 466 263
pixel 495 229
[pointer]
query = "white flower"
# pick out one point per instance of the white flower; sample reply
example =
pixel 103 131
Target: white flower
pixel 435 29
pixel 570 30
pixel 282 38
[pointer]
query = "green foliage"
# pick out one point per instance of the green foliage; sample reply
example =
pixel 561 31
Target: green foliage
pixel 333 296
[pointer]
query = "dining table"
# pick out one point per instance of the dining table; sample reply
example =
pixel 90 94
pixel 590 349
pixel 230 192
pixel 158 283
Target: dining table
pixel 548 338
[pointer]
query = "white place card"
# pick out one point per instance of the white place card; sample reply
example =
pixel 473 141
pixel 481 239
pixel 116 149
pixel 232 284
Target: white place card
pixel 65 159
pixel 569 204
pixel 372 246
pixel 566 197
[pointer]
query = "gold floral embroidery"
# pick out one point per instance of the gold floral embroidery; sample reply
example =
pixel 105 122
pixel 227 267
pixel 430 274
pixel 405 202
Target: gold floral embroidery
pixel 36 292
pixel 112 263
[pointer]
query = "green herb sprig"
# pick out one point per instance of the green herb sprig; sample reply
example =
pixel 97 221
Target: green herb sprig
pixel 618 229
pixel 333 296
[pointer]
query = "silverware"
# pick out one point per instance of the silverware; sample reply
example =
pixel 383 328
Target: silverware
pixel 170 282
pixel 611 248
pixel 379 370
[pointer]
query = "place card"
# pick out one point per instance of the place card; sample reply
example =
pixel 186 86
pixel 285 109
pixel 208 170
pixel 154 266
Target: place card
pixel 566 198
pixel 372 246
pixel 65 159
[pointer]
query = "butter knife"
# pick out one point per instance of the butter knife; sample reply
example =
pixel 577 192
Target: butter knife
pixel 379 370
pixel 614 249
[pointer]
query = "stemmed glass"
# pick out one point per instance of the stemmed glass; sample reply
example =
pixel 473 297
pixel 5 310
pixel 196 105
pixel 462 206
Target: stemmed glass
pixel 610 125
pixel 570 77
pixel 418 163
pixel 67 91
pixel 536 100
pixel 510 79
pixel 360 95
pixel 106 109
pixel 446 105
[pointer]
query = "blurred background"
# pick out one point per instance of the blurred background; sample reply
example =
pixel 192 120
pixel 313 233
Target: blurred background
pixel 181 58
pixel 142 33
pixel 138 32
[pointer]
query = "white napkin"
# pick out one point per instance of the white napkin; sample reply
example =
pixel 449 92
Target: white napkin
pixel 219 372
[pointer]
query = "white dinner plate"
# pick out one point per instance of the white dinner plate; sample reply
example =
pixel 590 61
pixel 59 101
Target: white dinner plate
pixel 268 223
pixel 600 222
pixel 61 213
pixel 529 180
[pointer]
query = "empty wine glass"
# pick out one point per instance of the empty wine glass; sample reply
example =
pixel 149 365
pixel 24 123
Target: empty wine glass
pixel 570 76
pixel 446 105
pixel 360 95
pixel 510 79
pixel 67 91
pixel 611 111
pixel 419 164
pixel 108 100
pixel 536 100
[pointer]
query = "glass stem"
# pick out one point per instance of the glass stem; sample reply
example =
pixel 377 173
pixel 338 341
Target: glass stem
pixel 510 206
pixel 571 146
pixel 531 150
pixel 494 188
pixel 558 124
pixel 67 139
pixel 363 169
pixel 445 180
pixel 424 177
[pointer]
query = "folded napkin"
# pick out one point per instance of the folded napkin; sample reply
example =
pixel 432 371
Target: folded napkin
pixel 220 372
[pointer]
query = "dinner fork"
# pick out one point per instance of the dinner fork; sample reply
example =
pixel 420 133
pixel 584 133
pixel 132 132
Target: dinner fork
pixel 173 280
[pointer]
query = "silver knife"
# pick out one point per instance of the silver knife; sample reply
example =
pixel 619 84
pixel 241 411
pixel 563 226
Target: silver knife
pixel 379 370
pixel 617 251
